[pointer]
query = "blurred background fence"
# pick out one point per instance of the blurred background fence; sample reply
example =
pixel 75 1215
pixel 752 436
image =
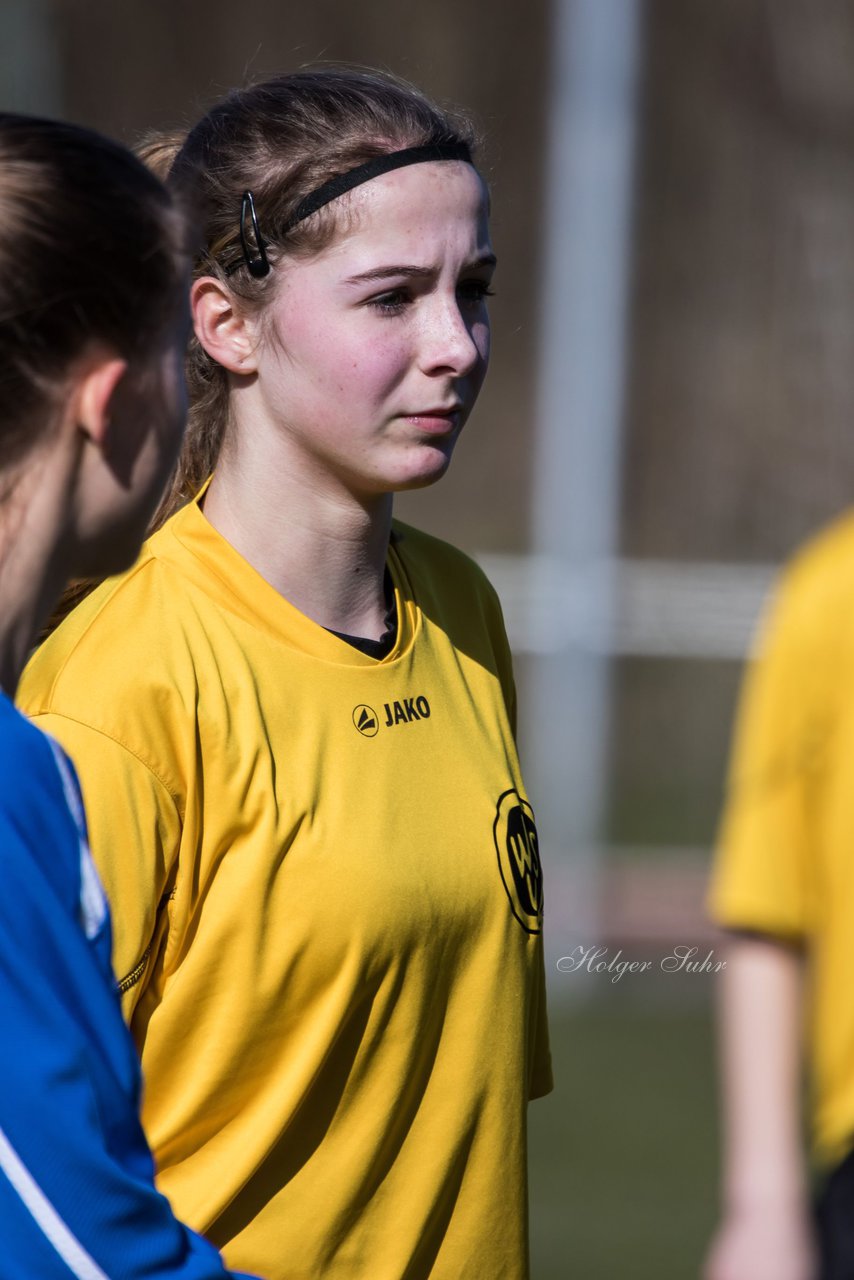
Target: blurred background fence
pixel 668 415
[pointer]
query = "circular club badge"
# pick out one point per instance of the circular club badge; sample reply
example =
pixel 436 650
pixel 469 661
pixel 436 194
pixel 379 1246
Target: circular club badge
pixel 518 852
pixel 366 721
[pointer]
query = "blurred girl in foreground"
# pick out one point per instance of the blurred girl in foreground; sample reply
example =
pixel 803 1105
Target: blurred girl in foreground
pixel 92 322
pixel 328 899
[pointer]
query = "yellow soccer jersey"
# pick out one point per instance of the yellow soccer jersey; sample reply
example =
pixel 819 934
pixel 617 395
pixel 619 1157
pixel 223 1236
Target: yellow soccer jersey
pixel 785 863
pixel 327 903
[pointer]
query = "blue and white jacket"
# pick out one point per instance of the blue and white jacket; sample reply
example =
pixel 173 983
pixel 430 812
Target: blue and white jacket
pixel 77 1196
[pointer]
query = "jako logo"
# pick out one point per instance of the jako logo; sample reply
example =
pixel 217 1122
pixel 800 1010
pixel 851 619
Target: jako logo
pixel 365 720
pixel 518 852
pixel 407 711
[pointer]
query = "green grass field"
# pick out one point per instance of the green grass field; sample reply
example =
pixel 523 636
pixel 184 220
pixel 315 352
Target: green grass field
pixel 623 1153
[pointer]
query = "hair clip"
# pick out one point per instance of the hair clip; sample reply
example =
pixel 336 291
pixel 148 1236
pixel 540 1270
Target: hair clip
pixel 258 265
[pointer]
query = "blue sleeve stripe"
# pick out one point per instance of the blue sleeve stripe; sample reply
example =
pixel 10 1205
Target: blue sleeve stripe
pixel 93 902
pixel 69 1248
pixel 72 796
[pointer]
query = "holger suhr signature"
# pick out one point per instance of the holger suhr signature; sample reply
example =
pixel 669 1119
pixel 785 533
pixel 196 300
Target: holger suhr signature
pixel 682 959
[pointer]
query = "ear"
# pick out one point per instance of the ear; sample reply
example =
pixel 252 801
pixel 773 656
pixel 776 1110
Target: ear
pixel 224 331
pixel 93 395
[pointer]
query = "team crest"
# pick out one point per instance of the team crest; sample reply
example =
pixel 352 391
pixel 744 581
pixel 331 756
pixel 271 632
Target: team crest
pixel 518 852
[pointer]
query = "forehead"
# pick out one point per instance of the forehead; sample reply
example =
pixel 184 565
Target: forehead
pixel 417 210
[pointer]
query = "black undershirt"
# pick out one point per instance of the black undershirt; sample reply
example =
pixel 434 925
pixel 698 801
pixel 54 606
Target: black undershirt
pixel 385 644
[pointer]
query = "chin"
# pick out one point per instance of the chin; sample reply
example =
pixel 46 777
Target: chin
pixel 419 482
pixel 430 466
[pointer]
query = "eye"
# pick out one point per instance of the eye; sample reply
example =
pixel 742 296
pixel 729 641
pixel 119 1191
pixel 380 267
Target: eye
pixel 474 291
pixel 392 302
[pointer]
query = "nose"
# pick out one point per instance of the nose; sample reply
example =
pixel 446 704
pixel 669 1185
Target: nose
pixel 453 343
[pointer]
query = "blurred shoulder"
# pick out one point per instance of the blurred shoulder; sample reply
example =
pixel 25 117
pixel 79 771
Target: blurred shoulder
pixel 119 640
pixel 37 787
pixel 811 608
pixel 818 581
pixel 24 749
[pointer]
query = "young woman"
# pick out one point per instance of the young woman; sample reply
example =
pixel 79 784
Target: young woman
pixel 93 267
pixel 328 893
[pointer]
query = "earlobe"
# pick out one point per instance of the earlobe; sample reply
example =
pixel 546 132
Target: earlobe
pixel 94 394
pixel 224 332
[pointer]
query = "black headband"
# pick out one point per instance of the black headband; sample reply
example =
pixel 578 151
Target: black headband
pixel 258 263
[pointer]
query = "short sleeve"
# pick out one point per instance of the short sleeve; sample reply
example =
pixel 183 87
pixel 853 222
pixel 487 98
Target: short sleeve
pixel 503 654
pixel 763 869
pixel 541 1081
pixel 134 836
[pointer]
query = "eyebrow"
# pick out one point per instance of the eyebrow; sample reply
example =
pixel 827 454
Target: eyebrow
pixel 385 273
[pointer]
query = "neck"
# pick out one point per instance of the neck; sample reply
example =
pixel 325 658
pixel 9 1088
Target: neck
pixel 321 547
pixel 32 564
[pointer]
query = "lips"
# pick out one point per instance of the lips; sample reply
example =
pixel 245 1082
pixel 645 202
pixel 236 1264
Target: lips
pixel 437 420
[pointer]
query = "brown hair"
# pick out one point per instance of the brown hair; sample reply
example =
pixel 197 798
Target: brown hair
pixel 92 249
pixel 280 139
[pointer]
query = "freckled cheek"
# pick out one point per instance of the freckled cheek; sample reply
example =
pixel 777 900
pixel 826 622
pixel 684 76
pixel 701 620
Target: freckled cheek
pixel 372 371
